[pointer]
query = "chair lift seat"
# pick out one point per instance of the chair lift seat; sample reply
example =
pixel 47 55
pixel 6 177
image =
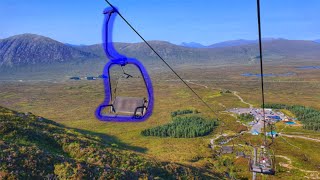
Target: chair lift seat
pixel 128 105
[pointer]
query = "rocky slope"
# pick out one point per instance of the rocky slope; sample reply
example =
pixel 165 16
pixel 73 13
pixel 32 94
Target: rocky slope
pixel 34 49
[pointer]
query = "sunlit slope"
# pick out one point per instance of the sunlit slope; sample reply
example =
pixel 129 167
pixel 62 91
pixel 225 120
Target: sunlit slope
pixel 34 147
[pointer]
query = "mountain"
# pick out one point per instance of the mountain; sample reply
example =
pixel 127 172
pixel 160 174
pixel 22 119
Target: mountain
pixel 74 45
pixel 171 52
pixel 318 40
pixel 192 45
pixel 33 147
pixel 279 51
pixel 238 42
pixel 34 49
pixel 275 50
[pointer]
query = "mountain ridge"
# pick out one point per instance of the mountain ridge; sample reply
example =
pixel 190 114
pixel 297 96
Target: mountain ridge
pixel 29 49
pixel 229 43
pixel 273 49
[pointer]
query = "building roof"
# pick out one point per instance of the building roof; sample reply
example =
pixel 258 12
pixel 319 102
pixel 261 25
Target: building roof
pixel 241 154
pixel 226 149
pixel 272 133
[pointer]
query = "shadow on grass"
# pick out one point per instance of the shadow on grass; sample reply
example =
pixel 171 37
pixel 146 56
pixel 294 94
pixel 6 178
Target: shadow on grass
pixel 106 139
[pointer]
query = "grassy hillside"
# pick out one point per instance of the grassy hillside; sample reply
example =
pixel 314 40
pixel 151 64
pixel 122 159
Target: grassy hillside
pixel 34 147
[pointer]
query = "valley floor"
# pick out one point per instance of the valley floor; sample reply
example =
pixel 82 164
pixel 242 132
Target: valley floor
pixel 72 103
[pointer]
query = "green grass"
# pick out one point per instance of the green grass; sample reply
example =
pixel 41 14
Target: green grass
pixel 287 113
pixel 246 118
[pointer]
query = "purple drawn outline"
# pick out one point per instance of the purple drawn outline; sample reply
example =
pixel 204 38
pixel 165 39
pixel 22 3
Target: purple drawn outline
pixel 118 59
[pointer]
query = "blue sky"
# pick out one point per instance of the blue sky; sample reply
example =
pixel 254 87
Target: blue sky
pixel 176 21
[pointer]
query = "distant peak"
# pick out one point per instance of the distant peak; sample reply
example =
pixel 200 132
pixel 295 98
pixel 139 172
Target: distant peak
pixel 192 44
pixel 31 37
pixel 27 35
pixel 159 42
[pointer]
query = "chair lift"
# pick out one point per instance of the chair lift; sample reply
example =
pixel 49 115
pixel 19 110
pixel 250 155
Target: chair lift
pixel 263 161
pixel 122 109
pixel 263 158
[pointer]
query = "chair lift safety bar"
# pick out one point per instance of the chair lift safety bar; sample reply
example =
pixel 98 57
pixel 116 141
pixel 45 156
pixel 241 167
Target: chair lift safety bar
pixel 140 111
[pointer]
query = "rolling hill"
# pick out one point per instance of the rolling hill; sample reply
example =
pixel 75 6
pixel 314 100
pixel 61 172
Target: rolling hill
pixel 29 49
pixel 33 147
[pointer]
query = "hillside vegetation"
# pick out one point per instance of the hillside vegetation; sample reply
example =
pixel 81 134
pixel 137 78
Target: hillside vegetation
pixel 33 147
pixel 183 127
pixel 246 118
pixel 182 112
